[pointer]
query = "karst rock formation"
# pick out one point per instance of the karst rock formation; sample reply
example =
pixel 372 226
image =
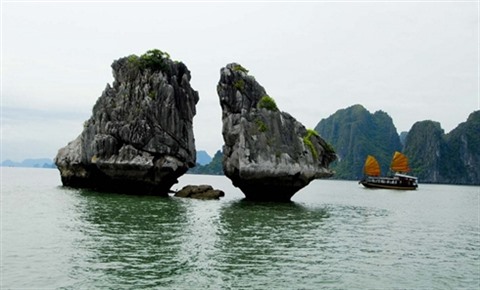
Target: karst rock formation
pixel 139 138
pixel 267 153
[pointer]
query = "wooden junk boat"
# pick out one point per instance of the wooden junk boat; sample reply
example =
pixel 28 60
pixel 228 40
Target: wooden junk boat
pixel 399 180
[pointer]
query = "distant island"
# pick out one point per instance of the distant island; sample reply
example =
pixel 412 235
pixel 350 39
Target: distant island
pixel 205 163
pixel 214 167
pixel 435 157
pixel 30 162
pixel 203 158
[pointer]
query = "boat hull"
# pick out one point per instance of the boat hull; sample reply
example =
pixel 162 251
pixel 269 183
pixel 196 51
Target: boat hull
pixel 398 181
pixel 387 186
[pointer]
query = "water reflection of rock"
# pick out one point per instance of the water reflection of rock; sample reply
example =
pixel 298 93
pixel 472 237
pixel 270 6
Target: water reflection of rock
pixel 129 238
pixel 261 239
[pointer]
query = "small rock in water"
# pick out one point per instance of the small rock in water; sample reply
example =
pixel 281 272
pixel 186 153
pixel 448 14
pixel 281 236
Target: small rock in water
pixel 200 192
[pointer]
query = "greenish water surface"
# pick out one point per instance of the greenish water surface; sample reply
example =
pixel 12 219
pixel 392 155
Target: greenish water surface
pixel 333 235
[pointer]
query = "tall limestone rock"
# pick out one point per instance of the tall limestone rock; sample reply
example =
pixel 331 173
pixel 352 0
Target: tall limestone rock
pixel 355 133
pixel 425 147
pixel 267 153
pixel 140 136
pixel 452 158
pixel 463 144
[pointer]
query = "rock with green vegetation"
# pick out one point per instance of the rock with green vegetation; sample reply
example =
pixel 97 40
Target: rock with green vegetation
pixel 356 133
pixel 139 138
pixel 452 158
pixel 463 153
pixel 424 145
pixel 267 153
pixel 434 157
pixel 266 102
pixel 403 136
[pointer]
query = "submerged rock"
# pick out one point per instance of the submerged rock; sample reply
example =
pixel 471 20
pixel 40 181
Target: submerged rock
pixel 139 138
pixel 200 192
pixel 267 153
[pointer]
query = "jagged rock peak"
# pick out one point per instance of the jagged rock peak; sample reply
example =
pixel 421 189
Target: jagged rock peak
pixel 268 154
pixel 140 135
pixel 238 90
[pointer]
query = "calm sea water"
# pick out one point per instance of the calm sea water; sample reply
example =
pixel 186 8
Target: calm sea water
pixel 334 235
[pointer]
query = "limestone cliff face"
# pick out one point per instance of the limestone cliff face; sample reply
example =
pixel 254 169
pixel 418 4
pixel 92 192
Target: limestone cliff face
pixel 356 133
pixel 464 152
pixel 140 136
pixel 425 148
pixel 267 153
pixel 437 157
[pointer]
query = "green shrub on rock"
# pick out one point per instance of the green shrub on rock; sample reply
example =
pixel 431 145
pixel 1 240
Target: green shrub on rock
pixel 239 84
pixel 240 68
pixel 262 127
pixel 153 59
pixel 309 143
pixel 266 102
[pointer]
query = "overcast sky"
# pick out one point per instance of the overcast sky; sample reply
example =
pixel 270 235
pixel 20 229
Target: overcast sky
pixel 413 60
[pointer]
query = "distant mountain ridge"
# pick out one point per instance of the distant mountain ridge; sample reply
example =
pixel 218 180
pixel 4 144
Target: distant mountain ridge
pixel 355 133
pixel 203 158
pixel 215 167
pixel 435 157
pixel 30 162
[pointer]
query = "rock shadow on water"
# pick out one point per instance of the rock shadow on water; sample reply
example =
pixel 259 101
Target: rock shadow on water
pixel 271 211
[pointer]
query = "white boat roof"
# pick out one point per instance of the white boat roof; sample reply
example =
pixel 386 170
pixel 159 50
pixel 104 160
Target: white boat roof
pixel 405 176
